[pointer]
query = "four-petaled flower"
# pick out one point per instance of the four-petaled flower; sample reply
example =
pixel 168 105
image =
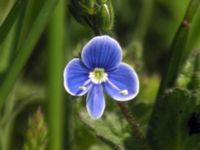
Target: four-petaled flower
pixel 100 69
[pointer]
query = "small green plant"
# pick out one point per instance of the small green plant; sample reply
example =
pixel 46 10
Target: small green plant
pixel 36 134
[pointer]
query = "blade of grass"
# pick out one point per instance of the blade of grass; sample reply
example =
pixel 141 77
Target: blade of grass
pixel 9 44
pixel 178 53
pixel 194 37
pixel 55 74
pixel 19 28
pixel 26 49
pixel 10 19
pixel 6 51
pixel 30 14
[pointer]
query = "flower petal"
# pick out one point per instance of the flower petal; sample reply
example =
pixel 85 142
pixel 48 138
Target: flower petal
pixel 76 80
pixel 123 83
pixel 102 52
pixel 95 101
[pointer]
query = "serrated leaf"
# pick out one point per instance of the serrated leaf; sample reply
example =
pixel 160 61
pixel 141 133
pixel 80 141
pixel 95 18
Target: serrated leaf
pixel 109 129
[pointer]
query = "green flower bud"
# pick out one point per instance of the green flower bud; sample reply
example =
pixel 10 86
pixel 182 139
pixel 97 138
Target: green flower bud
pixel 96 14
pixel 105 16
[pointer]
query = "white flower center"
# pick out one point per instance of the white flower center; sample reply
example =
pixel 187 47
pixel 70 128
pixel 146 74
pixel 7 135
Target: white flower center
pixel 98 75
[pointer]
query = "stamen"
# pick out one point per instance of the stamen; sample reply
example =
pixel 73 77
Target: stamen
pixel 85 84
pixel 123 92
pixel 113 85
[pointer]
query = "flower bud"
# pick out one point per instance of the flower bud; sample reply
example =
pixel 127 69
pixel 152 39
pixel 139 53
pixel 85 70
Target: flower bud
pixel 105 15
pixel 97 14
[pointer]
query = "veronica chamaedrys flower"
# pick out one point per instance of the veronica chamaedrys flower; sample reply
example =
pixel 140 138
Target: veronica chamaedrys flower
pixel 100 69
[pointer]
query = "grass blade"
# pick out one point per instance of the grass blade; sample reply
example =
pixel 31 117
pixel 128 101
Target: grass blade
pixel 26 49
pixel 10 19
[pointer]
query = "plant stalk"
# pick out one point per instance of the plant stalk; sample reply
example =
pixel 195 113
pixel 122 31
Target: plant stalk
pixel 55 77
pixel 134 126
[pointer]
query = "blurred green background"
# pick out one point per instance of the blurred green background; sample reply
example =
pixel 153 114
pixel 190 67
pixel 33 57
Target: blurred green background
pixel 38 38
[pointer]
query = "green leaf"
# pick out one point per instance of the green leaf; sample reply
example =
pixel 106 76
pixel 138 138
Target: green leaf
pixel 110 130
pixel 113 130
pixel 169 129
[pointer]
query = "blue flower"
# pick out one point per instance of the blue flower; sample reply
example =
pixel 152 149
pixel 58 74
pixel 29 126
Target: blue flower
pixel 100 70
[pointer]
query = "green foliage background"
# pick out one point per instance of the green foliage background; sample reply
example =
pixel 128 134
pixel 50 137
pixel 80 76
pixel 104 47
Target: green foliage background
pixel 160 39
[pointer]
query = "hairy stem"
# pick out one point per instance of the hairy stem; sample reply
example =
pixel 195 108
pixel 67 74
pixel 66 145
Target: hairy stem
pixel 137 132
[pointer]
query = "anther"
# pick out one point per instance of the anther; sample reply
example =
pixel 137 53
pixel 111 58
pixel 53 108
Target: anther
pixel 124 92
pixel 83 88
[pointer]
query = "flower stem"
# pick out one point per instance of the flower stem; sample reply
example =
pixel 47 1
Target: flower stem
pixel 134 125
pixel 130 119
